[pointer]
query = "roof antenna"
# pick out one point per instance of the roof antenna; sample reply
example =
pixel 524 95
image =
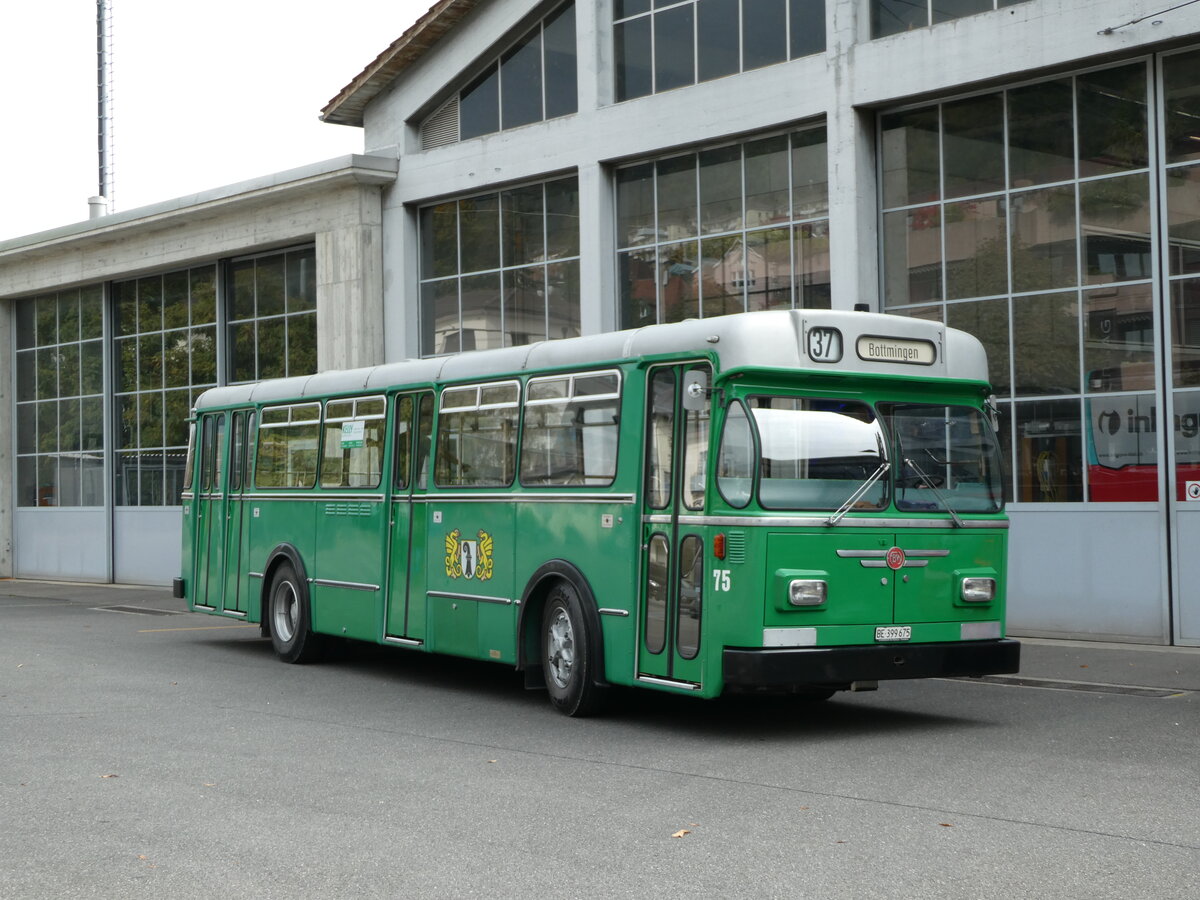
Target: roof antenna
pixel 102 204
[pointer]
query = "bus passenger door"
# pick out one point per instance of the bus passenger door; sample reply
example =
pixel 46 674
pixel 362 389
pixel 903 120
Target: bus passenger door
pixel 234 599
pixel 407 532
pixel 672 590
pixel 210 513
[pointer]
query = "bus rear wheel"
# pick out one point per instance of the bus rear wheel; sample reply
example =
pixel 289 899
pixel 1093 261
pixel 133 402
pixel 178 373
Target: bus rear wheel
pixel 566 654
pixel 290 618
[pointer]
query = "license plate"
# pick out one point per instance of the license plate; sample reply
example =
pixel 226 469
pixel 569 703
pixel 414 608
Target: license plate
pixel 893 633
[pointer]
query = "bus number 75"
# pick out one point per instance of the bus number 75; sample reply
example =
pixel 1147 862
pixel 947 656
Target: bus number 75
pixel 720 580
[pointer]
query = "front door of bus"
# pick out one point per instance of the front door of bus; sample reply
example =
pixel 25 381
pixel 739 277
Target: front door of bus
pixel 407 531
pixel 671 603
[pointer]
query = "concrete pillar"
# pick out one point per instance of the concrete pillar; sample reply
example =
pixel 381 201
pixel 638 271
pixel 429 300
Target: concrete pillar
pixel 350 296
pixel 853 195
pixel 597 279
pixel 7 494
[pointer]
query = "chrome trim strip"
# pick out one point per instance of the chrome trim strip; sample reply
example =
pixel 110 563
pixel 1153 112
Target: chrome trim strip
pixel 882 564
pixel 862 554
pixel 186 495
pixel 202 606
pixel 518 498
pixel 407 642
pixel 254 574
pixel 667 682
pixel 479 597
pixel 811 521
pixel 348 585
pixel 237 614
pixel 613 612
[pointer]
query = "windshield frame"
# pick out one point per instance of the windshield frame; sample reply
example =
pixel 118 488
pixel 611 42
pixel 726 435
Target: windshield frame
pixel 985 455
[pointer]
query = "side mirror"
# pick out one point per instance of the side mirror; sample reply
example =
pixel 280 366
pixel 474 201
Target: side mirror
pixel 695 390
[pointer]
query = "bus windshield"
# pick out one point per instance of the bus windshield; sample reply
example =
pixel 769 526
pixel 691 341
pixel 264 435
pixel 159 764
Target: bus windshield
pixel 816 452
pixel 946 457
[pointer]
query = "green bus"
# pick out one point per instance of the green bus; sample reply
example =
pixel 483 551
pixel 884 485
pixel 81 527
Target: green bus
pixel 801 501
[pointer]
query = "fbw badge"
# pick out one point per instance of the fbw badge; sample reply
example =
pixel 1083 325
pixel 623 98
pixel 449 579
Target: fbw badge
pixel 469 559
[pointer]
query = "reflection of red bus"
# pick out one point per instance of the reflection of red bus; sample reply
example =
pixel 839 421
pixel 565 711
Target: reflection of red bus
pixel 1122 446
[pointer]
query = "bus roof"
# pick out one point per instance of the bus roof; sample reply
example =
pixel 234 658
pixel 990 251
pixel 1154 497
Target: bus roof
pixel 866 343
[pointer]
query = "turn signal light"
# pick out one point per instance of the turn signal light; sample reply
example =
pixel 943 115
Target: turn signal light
pixel 719 545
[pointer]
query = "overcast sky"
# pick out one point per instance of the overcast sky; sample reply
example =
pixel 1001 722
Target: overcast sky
pixel 204 94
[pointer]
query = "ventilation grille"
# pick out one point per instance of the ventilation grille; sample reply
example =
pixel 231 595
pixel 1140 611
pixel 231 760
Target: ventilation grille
pixel 735 547
pixel 441 128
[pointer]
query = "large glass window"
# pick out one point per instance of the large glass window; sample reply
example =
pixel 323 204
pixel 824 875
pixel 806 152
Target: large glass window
pixel 1181 113
pixel 60 399
pixel 895 16
pixel 164 355
pixel 272 308
pixel 682 42
pixel 534 79
pixel 1025 217
pixel 501 269
pixel 723 230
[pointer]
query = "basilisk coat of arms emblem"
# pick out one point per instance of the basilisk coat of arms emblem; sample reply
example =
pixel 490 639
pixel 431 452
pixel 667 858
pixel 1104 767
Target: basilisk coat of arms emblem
pixel 469 558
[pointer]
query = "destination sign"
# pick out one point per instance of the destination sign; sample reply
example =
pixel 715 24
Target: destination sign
pixel 897 350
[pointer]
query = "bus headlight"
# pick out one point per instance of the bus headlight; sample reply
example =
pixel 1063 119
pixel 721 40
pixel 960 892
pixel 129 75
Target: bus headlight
pixel 807 592
pixel 978 590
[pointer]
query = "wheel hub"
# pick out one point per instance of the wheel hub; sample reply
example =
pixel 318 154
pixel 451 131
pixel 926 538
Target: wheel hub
pixel 560 648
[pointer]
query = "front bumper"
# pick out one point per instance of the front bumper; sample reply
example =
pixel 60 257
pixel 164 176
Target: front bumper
pixel 798 667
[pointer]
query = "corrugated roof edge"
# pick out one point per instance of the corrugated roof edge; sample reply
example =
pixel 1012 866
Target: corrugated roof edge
pixel 347 107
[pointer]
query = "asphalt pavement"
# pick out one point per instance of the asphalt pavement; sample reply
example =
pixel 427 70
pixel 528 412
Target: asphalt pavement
pixel 151 753
pixel 1044 662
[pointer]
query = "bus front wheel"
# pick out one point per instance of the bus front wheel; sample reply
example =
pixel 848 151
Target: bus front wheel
pixel 566 654
pixel 291 622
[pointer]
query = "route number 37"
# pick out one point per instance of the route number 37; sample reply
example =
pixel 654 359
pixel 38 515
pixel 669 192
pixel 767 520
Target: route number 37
pixel 720 580
pixel 824 344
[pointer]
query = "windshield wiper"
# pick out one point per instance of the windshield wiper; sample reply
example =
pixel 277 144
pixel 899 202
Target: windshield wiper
pixel 858 494
pixel 937 493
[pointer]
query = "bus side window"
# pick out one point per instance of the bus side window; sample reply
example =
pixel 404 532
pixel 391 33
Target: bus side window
pixel 571 429
pixel 287 446
pixel 352 450
pixel 477 436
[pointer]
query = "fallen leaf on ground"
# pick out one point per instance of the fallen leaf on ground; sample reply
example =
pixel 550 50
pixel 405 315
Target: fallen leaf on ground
pixel 945 824
pixel 680 833
pixel 110 776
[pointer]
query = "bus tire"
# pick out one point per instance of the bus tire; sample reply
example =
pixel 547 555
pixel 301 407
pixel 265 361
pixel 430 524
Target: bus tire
pixel 291 621
pixel 567 654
